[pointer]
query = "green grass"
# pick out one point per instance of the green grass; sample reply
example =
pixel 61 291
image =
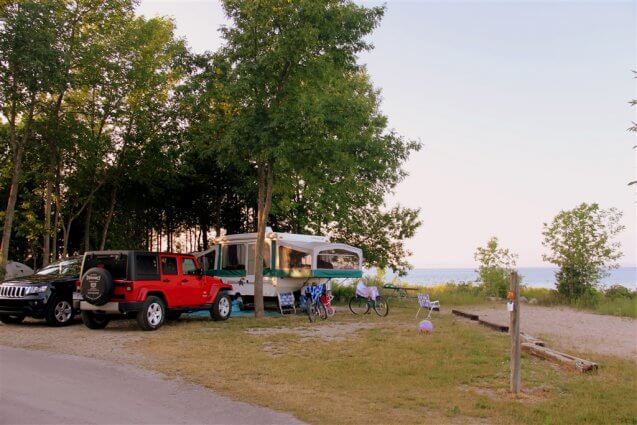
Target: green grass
pixel 382 370
pixel 616 301
pixel 602 302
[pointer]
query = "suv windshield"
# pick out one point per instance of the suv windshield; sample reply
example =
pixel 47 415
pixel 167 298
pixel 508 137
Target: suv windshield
pixel 61 268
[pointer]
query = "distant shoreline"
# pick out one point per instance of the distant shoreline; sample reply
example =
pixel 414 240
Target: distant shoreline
pixel 543 277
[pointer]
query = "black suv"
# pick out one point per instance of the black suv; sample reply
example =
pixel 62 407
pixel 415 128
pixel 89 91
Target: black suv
pixel 47 294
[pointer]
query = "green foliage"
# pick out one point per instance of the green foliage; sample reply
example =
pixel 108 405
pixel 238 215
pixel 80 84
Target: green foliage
pixel 134 136
pixel 615 301
pixel 496 264
pixel 305 117
pixel 580 243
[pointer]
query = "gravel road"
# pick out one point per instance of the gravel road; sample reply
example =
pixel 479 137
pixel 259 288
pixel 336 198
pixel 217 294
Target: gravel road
pixel 39 387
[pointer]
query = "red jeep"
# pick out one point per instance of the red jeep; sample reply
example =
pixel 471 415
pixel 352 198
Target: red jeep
pixel 150 286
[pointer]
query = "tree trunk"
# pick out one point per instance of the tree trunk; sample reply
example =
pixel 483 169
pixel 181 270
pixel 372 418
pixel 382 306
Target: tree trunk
pixel 87 227
pixel 66 231
pixel 204 231
pixel 109 217
pixel 54 233
pixel 46 245
pixel 15 183
pixel 264 199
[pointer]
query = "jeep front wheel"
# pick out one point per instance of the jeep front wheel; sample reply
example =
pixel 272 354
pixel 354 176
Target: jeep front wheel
pixel 152 314
pixel 94 320
pixel 222 307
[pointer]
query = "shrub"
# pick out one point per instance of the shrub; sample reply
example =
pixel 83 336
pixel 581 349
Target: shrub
pixel 496 265
pixel 618 291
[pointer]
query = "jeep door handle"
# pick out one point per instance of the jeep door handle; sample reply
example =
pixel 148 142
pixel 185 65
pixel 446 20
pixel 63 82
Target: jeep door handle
pixel 184 281
pixel 166 280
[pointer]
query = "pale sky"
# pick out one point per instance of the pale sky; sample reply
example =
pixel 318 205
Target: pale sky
pixel 522 108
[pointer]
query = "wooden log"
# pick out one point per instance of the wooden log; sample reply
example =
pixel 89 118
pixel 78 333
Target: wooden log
pixel 532 340
pixel 495 326
pixel 567 360
pixel 463 314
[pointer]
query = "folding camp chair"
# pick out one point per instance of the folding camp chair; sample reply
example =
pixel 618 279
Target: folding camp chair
pixel 286 302
pixel 425 303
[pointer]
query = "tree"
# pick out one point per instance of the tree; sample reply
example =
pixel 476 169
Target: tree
pixel 302 109
pixel 30 62
pixel 496 265
pixel 581 244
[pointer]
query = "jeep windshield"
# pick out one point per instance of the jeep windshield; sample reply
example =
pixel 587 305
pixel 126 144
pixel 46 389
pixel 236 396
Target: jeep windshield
pixel 116 264
pixel 61 268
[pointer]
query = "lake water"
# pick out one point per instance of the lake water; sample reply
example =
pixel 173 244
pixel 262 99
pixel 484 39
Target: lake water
pixel 531 276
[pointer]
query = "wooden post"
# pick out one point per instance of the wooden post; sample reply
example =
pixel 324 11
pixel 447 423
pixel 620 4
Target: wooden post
pixel 514 329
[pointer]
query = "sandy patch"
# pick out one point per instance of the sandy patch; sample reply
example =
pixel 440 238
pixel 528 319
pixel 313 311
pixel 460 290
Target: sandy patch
pixel 568 329
pixel 325 331
pixel 115 343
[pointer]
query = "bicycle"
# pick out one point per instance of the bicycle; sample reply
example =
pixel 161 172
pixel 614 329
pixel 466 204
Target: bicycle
pixel 314 307
pixel 326 300
pixel 360 304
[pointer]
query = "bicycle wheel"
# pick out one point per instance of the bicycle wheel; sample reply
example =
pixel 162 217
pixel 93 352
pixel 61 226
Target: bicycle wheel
pixel 311 311
pixel 358 305
pixel 320 310
pixel 330 311
pixel 381 307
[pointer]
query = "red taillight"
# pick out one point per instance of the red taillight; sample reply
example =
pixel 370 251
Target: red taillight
pixel 78 284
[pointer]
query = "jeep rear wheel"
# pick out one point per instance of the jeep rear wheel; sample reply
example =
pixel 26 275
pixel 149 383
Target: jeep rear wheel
pixel 94 320
pixel 152 314
pixel 59 311
pixel 222 308
pixel 11 318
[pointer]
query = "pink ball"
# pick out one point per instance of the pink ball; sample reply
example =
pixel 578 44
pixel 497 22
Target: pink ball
pixel 426 326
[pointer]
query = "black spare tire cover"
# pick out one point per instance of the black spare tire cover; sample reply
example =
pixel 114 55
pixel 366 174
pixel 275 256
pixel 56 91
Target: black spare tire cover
pixel 97 286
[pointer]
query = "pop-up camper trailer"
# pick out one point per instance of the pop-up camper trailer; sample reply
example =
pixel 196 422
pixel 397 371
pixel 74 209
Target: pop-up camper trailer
pixel 290 262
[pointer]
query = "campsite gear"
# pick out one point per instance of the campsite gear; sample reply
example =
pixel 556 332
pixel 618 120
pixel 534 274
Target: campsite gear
pixel 366 298
pixel 326 300
pixel 286 303
pixel 399 291
pixel 426 326
pixel 314 306
pixel 425 303
pixel 14 269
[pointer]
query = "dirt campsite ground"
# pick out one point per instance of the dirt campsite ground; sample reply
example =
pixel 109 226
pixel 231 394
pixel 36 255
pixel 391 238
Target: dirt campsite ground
pixel 571 329
pixel 376 370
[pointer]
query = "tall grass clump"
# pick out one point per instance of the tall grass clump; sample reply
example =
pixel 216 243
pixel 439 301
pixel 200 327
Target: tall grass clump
pixel 616 300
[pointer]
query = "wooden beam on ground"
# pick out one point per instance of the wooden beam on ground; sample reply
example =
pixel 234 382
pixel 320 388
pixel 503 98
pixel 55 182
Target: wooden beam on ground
pixel 495 326
pixel 463 314
pixel 566 359
pixel 531 339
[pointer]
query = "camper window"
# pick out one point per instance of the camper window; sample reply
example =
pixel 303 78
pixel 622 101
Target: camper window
pixel 252 255
pixel 339 259
pixel 208 260
pixel 292 259
pixel 233 257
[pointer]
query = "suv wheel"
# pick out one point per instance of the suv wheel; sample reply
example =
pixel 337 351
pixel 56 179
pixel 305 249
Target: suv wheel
pixel 152 314
pixel 94 320
pixel 222 308
pixel 59 311
pixel 11 319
